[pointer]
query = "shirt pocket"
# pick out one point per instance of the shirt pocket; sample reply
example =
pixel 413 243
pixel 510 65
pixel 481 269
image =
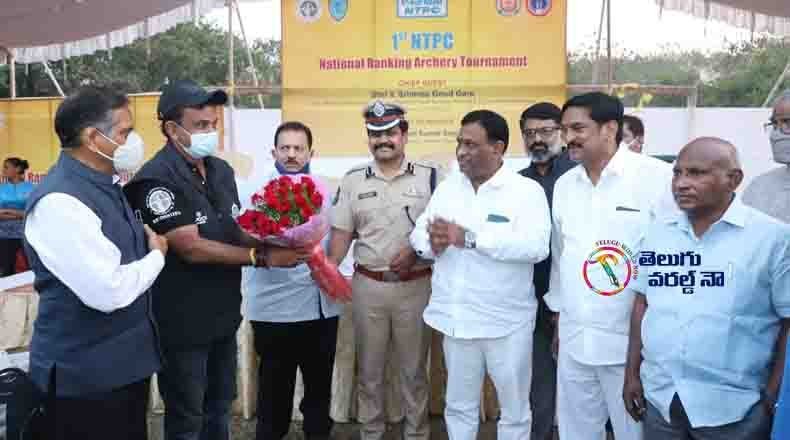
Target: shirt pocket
pixel 627 225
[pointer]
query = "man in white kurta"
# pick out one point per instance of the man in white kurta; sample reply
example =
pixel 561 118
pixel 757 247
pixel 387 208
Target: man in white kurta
pixel 486 226
pixel 601 210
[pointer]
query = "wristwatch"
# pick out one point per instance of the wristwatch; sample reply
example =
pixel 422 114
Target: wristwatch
pixel 470 240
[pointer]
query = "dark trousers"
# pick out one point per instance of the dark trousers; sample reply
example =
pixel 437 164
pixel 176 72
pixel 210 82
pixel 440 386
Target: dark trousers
pixel 756 425
pixel 543 394
pixel 198 386
pixel 8 249
pixel 119 415
pixel 310 346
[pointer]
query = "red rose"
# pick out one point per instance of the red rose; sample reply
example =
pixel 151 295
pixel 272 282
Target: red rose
pixel 306 212
pixel 317 199
pixel 300 200
pixel 246 220
pixel 309 184
pixel 271 200
pixel 285 181
pixel 257 200
pixel 285 221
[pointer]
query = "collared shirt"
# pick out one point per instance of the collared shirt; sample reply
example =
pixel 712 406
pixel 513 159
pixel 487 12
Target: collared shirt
pixel 770 193
pixel 781 428
pixel 486 292
pixel 83 258
pixel 596 236
pixel 382 210
pixel 557 167
pixel 713 317
pixel 282 294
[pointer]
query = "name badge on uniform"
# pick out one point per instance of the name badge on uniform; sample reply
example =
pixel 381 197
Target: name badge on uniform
pixel 367 195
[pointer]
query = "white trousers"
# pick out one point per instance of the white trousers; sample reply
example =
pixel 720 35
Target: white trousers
pixel 586 396
pixel 508 361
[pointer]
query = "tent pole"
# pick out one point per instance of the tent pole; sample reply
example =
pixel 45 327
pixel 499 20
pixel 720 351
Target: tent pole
pixel 231 77
pixel 52 77
pixel 12 64
pixel 249 51
pixel 610 77
pixel 596 67
pixel 778 83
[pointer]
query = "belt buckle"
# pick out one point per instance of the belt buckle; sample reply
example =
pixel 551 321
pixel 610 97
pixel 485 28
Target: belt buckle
pixel 390 276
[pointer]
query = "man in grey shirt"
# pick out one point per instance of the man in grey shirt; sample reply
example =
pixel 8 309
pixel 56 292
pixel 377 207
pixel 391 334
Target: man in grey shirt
pixel 294 323
pixel 770 192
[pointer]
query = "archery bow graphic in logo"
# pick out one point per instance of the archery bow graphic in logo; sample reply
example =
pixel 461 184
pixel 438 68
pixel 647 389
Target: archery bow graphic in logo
pixel 609 268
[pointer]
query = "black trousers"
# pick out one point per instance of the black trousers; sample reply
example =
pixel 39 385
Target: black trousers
pixel 8 250
pixel 543 394
pixel 310 346
pixel 119 414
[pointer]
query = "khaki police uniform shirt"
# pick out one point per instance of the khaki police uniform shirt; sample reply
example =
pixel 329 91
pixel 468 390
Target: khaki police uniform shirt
pixel 382 211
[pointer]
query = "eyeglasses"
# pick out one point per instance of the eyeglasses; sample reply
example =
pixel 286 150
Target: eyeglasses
pixel 781 124
pixel 544 132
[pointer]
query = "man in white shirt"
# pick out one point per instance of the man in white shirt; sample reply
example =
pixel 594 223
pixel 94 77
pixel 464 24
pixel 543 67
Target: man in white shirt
pixel 486 227
pixel 600 212
pixel 94 344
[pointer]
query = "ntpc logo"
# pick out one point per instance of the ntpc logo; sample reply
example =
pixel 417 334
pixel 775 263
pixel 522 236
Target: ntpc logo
pixel 422 8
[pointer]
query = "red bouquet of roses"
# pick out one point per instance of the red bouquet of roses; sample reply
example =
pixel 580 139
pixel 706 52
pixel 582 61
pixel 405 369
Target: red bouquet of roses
pixel 293 211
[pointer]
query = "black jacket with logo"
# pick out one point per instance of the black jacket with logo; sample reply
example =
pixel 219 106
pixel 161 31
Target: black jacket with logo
pixel 194 304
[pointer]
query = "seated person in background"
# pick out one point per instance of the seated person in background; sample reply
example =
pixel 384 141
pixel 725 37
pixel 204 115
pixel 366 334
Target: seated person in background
pixel 13 196
pixel 633 133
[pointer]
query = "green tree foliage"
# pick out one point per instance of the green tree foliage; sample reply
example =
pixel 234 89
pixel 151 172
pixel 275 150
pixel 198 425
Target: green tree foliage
pixel 741 75
pixel 195 51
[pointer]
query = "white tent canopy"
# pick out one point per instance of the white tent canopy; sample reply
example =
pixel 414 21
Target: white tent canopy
pixel 49 30
pixel 769 16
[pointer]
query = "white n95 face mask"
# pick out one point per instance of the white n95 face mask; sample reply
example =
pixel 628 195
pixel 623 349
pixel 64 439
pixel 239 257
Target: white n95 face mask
pixel 127 157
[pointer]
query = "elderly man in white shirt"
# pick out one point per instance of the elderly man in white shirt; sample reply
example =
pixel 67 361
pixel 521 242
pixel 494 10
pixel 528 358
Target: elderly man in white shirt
pixel 486 227
pixel 601 210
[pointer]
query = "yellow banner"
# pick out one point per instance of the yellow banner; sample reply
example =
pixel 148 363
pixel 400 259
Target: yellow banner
pixel 27 129
pixel 438 58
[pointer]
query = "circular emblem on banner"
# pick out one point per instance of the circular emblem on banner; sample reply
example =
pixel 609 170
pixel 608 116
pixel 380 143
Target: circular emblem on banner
pixel 609 268
pixel 160 201
pixel 539 7
pixel 308 10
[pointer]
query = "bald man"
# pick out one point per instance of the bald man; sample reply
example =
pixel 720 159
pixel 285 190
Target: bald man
pixel 770 192
pixel 710 318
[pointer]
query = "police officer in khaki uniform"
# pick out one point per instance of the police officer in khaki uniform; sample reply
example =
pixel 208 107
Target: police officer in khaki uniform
pixel 378 203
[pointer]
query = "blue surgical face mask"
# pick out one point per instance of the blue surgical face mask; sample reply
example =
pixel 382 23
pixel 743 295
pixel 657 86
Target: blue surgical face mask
pixel 282 170
pixel 201 144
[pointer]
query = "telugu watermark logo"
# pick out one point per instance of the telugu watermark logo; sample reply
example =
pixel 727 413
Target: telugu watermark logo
pixel 686 280
pixel 609 268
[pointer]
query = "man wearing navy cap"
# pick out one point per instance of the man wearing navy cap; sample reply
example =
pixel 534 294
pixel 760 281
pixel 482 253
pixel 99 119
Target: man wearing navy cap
pixel 379 201
pixel 190 197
